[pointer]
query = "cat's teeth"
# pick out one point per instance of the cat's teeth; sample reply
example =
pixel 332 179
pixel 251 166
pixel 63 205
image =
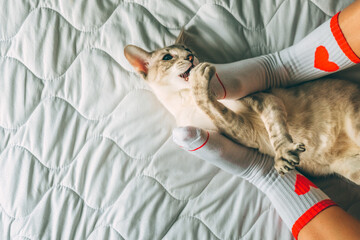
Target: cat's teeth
pixel 186 74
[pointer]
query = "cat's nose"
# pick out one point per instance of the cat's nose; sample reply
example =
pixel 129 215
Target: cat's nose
pixel 190 57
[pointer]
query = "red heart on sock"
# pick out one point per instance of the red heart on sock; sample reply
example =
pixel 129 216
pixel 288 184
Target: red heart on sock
pixel 302 185
pixel 322 60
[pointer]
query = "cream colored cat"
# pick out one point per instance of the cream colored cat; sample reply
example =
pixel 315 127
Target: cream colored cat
pixel 323 115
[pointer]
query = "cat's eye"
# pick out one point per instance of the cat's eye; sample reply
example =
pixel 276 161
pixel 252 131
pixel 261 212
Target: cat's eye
pixel 167 57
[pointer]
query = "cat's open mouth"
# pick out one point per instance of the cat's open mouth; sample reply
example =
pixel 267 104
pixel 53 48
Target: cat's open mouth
pixel 186 74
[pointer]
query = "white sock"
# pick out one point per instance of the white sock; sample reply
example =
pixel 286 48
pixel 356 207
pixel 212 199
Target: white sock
pixel 323 51
pixel 295 198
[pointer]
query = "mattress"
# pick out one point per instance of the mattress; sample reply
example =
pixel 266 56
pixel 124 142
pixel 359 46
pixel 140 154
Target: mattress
pixel 85 146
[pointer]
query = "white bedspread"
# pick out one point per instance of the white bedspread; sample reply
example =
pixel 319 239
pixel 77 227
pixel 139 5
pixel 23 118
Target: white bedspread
pixel 85 147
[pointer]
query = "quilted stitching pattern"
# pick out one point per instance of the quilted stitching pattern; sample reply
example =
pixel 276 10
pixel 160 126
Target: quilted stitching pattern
pixel 85 146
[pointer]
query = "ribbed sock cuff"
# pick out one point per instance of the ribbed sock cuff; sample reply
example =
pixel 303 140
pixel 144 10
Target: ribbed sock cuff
pixel 310 214
pixel 296 199
pixel 323 51
pixel 341 40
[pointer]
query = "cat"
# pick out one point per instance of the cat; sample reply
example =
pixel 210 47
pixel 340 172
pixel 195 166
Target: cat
pixel 322 115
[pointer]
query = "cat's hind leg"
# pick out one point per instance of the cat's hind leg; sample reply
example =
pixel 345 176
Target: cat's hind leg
pixel 273 114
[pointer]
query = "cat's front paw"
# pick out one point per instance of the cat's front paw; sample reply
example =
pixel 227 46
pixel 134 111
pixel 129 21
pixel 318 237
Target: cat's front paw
pixel 199 79
pixel 287 157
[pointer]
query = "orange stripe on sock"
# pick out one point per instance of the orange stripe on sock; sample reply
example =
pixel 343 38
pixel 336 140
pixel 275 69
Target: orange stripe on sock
pixel 217 76
pixel 310 214
pixel 207 139
pixel 341 40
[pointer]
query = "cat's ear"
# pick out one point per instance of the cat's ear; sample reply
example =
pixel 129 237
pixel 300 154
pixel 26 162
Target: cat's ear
pixel 138 58
pixel 181 39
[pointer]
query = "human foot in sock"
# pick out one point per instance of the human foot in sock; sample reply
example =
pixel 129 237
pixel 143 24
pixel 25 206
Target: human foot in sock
pixel 323 51
pixel 295 198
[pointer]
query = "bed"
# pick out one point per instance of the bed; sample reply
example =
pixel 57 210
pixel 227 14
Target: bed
pixel 85 147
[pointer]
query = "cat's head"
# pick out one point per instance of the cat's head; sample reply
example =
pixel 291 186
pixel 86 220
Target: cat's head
pixel 166 67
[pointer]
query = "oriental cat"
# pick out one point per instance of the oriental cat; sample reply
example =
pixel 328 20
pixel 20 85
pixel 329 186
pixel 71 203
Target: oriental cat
pixel 322 115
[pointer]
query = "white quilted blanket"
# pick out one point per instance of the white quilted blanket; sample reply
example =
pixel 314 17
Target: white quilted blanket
pixel 85 147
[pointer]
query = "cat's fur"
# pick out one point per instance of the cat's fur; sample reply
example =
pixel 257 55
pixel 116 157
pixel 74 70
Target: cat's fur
pixel 321 115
